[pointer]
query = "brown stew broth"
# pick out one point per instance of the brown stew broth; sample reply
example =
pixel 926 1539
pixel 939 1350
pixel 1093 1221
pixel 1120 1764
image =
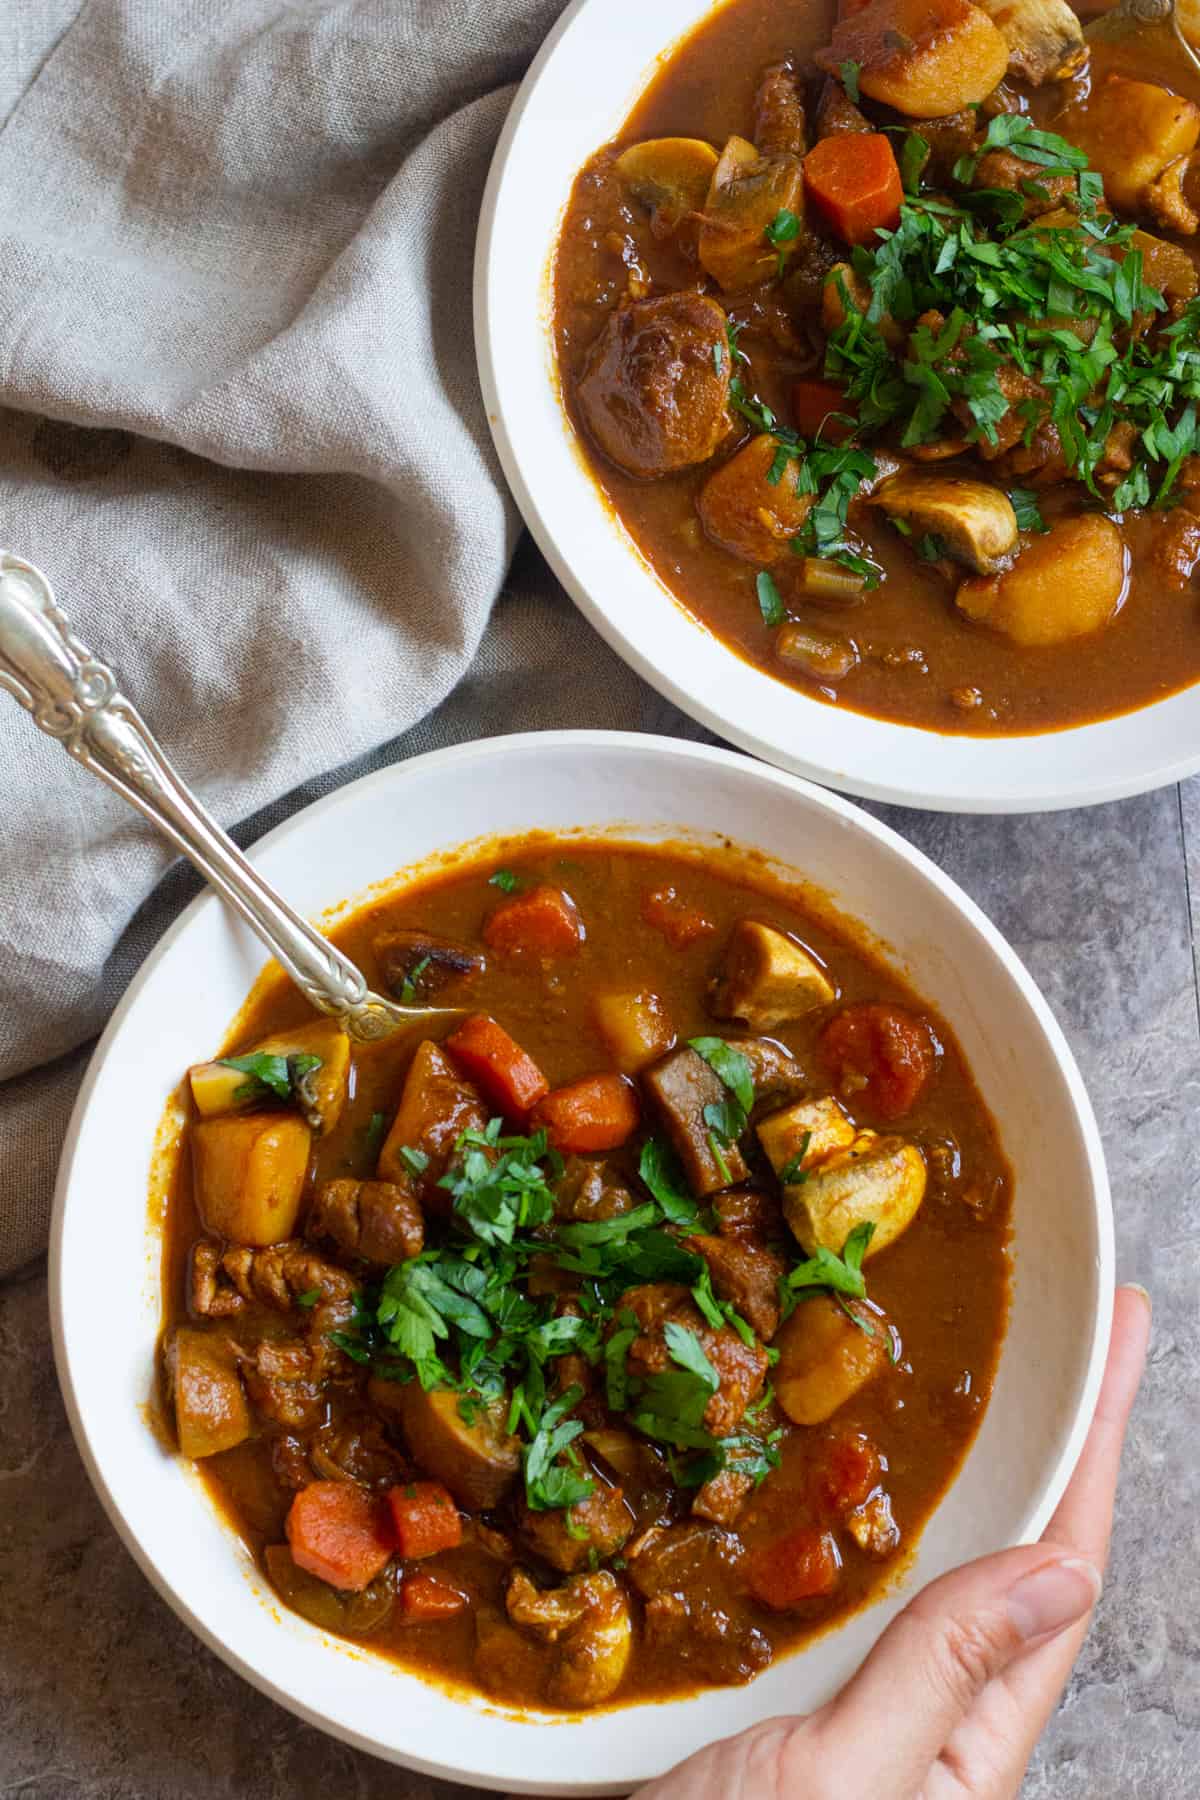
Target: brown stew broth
pixel 916 648
pixel 945 1283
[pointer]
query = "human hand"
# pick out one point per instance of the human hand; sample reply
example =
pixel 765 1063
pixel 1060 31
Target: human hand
pixel 956 1693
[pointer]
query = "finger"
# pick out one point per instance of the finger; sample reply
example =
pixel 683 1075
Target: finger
pixel 932 1663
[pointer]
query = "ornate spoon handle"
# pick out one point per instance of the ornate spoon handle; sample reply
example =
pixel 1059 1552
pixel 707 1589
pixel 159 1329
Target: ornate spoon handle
pixel 1130 16
pixel 73 697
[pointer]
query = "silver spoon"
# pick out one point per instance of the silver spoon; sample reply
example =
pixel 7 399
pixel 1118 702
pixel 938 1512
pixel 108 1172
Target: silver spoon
pixel 1133 16
pixel 73 697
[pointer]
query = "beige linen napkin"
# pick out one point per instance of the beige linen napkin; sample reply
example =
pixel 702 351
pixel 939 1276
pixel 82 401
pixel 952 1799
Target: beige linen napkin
pixel 240 429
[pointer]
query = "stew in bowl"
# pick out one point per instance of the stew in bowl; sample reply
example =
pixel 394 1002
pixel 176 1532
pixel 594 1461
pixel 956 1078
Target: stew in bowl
pixel 880 338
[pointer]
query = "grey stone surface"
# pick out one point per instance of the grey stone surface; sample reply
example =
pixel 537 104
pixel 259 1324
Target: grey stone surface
pixel 105 1696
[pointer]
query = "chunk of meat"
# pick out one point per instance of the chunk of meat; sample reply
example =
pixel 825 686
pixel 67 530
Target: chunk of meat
pixel 873 1526
pixel 436 1107
pixel 741 1368
pixel 705 1637
pixel 826 1358
pixel 776 1073
pixel 747 194
pixel 797 1136
pixel 925 58
pixel 1066 584
pixel 1000 169
pixel 289 1463
pixel 1177 549
pixel 1044 37
pixel 722 1497
pixel 754 505
pixel 211 1292
pixel 957 135
pixel 416 964
pixel 878 1181
pixel 281 1274
pixel 474 1456
pixel 745 1275
pixel 749 1215
pixel 880 1055
pixel 568 1539
pixel 837 114
pixel 590 1188
pixel 1174 199
pixel 381 1221
pixel 655 391
pixel 973 519
pixel 285 1379
pixel 207 1396
pixel 588 1622
pixel 1131 131
pixel 354 1446
pixel 779 123
pixel 249 1172
pixel 680 1086
pixel 804 1565
pixel 635 1028
pixel 766 977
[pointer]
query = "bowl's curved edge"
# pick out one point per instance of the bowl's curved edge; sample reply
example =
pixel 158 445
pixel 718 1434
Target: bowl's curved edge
pixel 1038 1517
pixel 735 730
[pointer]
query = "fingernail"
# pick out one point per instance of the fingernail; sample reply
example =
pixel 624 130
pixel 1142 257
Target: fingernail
pixel 1135 1287
pixel 1053 1597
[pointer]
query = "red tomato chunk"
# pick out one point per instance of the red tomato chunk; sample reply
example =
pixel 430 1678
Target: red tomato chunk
pixel 802 1566
pixel 424 1599
pixel 881 1054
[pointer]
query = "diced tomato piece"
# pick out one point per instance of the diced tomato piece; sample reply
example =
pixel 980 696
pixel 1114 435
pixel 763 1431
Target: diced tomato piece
pixel 543 922
pixel 507 1078
pixel 847 1472
pixel 340 1533
pixel 597 1113
pixel 853 182
pixel 424 1599
pixel 881 1054
pixel 679 923
pixel 801 1566
pixel 425 1517
pixel 812 403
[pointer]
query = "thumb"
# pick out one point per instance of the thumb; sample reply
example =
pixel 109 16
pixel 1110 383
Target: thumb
pixel 933 1662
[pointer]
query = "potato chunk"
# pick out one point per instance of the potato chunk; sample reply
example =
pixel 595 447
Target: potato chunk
pixel 880 1180
pixel 250 1171
pixel 1044 37
pixel 1063 585
pixel 217 1089
pixel 670 177
pixel 814 1129
pixel 211 1409
pixel 927 58
pixel 635 1028
pixel 825 1358
pixel 974 519
pixel 478 1462
pixel 1130 131
pixel 745 512
pixel 766 977
pixel 747 193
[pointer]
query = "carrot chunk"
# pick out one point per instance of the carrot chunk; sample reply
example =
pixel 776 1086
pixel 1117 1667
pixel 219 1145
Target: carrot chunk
pixel 880 1054
pixel 848 1471
pixel 668 912
pixel 425 1518
pixel 543 922
pixel 339 1533
pixel 508 1079
pixel 854 183
pixel 424 1599
pixel 801 1566
pixel 597 1113
pixel 813 402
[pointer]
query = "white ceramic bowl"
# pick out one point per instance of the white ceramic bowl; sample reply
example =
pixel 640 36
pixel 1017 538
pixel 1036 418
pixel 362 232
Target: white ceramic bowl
pixel 106 1243
pixel 575 98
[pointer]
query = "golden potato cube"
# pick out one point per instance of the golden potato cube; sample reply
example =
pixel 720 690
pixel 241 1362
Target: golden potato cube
pixel 1130 131
pixel 250 1171
pixel 825 1358
pixel 748 515
pixel 329 1083
pixel 635 1028
pixel 877 1180
pixel 926 58
pixel 1063 585
pixel 211 1409
pixel 217 1089
pixel 822 1122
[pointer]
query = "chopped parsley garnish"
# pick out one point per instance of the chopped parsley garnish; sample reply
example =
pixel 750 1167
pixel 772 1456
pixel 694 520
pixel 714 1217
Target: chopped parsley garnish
pixel 309 1299
pixel 408 987
pixel 505 880
pixel 793 1172
pixel 839 1274
pixel 267 1074
pixel 1029 513
pixel 850 72
pixel 770 601
pixel 415 1161
pixel 783 230
pixel 662 1172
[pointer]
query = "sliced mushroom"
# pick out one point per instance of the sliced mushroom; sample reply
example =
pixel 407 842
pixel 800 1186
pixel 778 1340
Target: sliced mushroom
pixel 875 1180
pixel 1044 37
pixel 745 197
pixel 973 519
pixel 810 1130
pixel 670 177
pixel 766 977
pixel 418 962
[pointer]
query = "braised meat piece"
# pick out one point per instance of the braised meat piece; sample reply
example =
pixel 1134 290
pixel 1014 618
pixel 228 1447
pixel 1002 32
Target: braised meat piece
pixel 722 1497
pixel 285 1382
pixel 436 1107
pixel 590 1188
pixel 381 1221
pixel 570 1539
pixel 741 1368
pixel 681 1085
pixel 746 1275
pixel 779 124
pixel 224 1282
pixel 655 392
pixel 745 1213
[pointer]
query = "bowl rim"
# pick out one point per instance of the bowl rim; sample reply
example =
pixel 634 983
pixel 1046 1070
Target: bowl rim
pixel 1106 766
pixel 654 746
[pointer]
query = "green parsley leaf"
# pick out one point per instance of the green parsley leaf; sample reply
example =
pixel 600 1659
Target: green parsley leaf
pixel 914 155
pixel 270 1074
pixel 793 1172
pixel 662 1172
pixel 770 601
pixel 308 1299
pixel 728 1062
pixel 408 987
pixel 840 1274
pixel 505 880
pixel 784 229
pixel 549 1480
pixel 850 72
pixel 415 1161
pixel 1029 513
